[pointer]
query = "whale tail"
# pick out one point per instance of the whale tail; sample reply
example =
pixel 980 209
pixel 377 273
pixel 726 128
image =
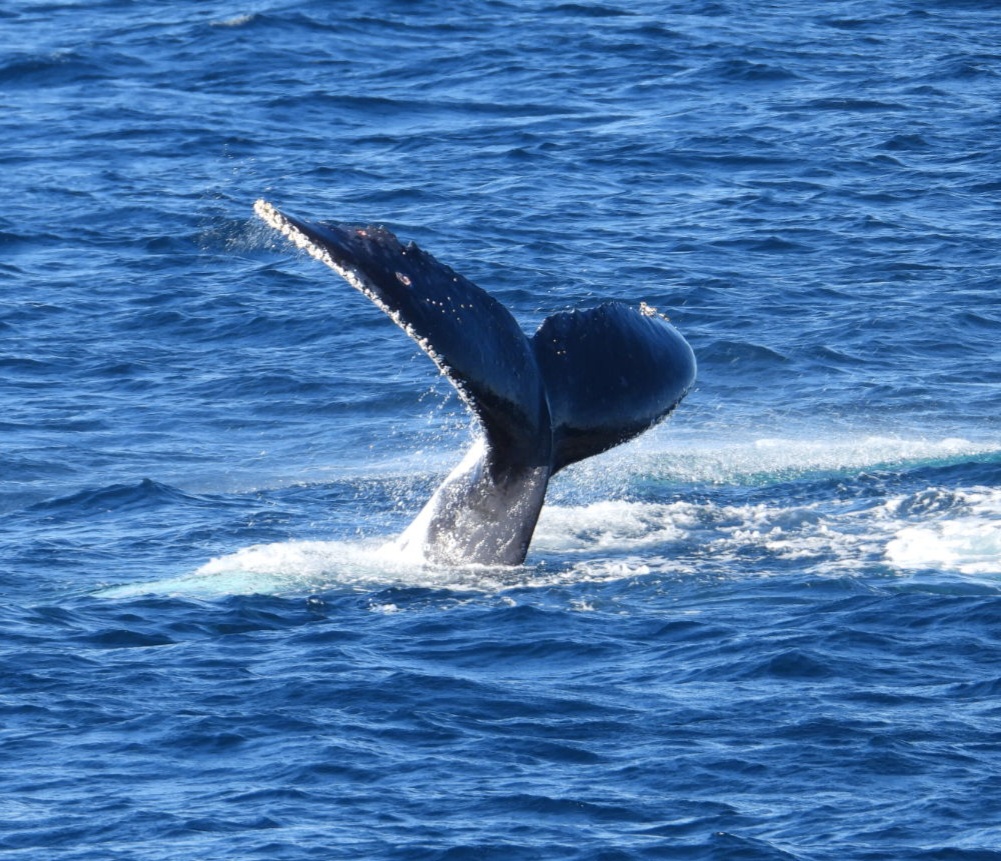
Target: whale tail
pixel 585 382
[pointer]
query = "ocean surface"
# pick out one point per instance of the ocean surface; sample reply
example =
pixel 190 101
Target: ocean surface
pixel 768 629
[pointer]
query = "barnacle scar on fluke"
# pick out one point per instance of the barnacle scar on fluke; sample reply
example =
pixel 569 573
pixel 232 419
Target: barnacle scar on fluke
pixel 583 383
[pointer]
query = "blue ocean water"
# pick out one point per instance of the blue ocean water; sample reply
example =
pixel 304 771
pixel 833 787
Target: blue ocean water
pixel 768 629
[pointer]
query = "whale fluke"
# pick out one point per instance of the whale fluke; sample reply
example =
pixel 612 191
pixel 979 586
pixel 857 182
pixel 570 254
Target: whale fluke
pixel 585 382
pixel 610 373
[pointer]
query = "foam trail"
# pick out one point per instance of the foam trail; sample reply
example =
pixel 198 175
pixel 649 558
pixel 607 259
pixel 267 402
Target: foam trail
pixel 947 530
pixel 612 540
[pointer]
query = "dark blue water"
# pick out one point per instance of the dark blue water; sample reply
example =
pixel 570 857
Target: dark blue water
pixel 768 629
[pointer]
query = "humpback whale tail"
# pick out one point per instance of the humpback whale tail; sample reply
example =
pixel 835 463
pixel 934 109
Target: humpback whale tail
pixel 585 382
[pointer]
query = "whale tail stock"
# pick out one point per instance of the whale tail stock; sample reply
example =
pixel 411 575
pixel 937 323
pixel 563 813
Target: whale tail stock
pixel 585 382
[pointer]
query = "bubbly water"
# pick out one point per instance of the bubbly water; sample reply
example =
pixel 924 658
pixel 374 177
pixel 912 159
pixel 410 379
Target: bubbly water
pixel 768 629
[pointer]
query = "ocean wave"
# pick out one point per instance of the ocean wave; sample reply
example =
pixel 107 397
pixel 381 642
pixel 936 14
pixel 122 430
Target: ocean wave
pixel 146 494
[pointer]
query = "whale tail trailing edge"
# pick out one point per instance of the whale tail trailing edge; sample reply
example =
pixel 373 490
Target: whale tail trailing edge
pixel 585 382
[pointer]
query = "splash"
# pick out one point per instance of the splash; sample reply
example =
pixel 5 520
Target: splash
pixel 283 568
pixel 616 540
pixel 713 529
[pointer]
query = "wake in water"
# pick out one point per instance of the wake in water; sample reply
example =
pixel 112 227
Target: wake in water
pixel 824 510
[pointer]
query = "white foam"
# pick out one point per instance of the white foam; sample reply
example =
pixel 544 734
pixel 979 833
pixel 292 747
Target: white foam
pixel 685 538
pixel 235 21
pixel 968 544
pixel 947 531
pixel 952 531
pixel 278 568
pixel 304 567
pixel 610 525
